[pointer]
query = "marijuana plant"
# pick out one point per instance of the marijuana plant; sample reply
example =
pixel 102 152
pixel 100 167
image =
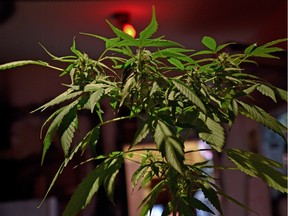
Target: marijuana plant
pixel 172 91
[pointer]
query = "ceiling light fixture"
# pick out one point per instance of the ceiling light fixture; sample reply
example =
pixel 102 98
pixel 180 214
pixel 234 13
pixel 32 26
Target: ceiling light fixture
pixel 129 29
pixel 123 21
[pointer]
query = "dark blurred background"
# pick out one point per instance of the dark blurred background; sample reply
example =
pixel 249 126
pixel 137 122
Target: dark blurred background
pixel 23 24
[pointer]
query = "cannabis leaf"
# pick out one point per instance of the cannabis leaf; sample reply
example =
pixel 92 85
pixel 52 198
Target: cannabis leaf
pixel 258 166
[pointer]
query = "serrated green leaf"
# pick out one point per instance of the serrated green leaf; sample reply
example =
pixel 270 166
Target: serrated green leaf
pixel 84 192
pixel 176 63
pixel 203 52
pixel 110 185
pixel 169 146
pixel 151 198
pixel 251 89
pixel 265 51
pixel 267 91
pixel 90 185
pixel 51 132
pixel 126 90
pixel 219 48
pixel 214 136
pixel 67 95
pixel 268 49
pixel 130 40
pixel 60 169
pixel 158 42
pixel 258 114
pixel 264 55
pixel 139 174
pixel 257 165
pixel 21 63
pixel 110 180
pixel 150 29
pixel 210 43
pixel 174 154
pixel 90 139
pixel 112 42
pixel 248 50
pixel 94 87
pixel 224 195
pixel 184 207
pixel 154 88
pixel 212 196
pixel 188 60
pixel 188 92
pixel 173 52
pixel 147 178
pixel 141 133
pixel 235 111
pixel 281 93
pixel 68 125
pixel 52 116
pixel 94 99
pixel 200 205
pixel 274 42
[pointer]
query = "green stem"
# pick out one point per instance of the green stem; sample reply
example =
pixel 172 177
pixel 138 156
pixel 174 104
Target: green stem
pixel 114 120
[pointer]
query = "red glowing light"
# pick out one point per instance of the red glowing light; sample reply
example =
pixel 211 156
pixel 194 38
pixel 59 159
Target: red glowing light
pixel 129 29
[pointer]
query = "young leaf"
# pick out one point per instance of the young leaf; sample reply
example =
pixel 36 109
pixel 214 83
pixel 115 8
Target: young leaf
pixel 150 29
pixel 203 52
pixel 257 165
pixel 158 42
pixel 172 52
pixel 210 43
pixel 112 42
pixel 74 49
pixel 176 63
pixel 185 90
pixel 266 49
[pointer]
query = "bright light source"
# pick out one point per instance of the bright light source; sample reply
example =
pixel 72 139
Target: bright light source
pixel 129 29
